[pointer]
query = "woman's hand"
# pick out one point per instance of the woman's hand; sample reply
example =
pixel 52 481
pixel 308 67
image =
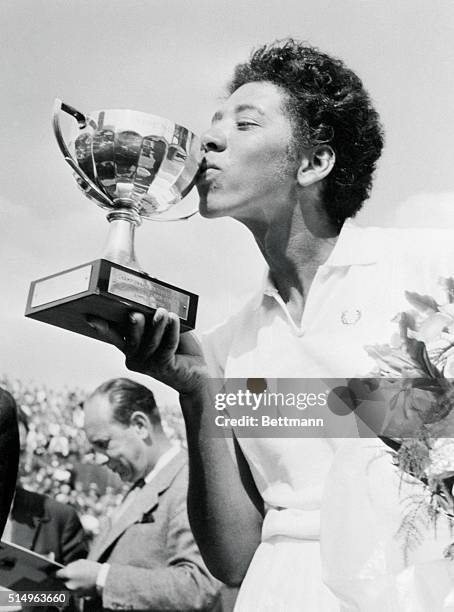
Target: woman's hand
pixel 156 348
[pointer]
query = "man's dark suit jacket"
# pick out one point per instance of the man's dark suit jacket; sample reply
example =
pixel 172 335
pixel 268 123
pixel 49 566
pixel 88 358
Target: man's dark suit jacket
pixel 9 453
pixel 155 564
pixel 45 526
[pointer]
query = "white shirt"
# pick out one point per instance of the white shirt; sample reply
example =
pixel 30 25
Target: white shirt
pixel 352 302
pixel 162 462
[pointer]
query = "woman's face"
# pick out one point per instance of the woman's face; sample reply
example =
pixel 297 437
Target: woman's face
pixel 247 172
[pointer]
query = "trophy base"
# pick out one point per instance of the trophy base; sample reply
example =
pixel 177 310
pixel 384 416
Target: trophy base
pixel 107 290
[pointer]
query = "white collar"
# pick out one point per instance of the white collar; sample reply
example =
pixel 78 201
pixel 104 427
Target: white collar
pixel 162 462
pixel 355 245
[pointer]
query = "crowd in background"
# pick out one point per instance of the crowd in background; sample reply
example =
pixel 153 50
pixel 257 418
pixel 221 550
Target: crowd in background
pixel 58 460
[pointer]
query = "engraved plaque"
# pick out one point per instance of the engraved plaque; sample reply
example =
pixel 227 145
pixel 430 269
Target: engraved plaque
pixel 106 290
pixel 148 293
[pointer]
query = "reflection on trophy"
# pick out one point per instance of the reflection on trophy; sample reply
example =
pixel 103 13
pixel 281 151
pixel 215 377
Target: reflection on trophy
pixel 135 166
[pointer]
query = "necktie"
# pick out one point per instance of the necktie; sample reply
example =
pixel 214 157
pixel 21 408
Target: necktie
pixel 128 500
pixel 138 484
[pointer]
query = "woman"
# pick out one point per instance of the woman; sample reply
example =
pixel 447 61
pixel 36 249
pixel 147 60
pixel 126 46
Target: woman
pixel 290 154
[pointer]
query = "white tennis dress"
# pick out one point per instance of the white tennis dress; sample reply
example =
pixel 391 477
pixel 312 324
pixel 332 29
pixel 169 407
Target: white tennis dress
pixel 313 487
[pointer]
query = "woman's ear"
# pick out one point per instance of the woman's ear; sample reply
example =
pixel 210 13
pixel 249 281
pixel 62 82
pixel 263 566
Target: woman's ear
pixel 316 165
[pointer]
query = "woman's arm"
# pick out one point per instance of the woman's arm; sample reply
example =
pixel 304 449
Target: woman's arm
pixel 225 508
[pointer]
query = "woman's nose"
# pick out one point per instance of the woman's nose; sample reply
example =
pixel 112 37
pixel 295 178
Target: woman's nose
pixel 213 140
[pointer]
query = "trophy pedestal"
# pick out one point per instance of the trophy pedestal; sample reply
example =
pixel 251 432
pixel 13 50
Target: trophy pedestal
pixel 107 290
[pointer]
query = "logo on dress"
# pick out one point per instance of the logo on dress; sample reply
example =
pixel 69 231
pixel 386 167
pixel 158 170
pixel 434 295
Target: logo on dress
pixel 350 317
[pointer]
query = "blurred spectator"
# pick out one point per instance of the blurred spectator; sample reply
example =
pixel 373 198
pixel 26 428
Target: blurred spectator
pixel 145 558
pixel 57 460
pixel 40 523
pixel 9 453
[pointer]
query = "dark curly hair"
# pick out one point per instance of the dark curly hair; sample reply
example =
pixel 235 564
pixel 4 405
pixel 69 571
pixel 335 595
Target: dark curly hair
pixel 326 103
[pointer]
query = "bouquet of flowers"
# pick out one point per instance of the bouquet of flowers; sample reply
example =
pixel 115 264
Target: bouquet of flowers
pixel 413 378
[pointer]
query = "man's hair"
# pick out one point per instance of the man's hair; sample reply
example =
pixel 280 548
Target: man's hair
pixel 126 396
pixel 326 104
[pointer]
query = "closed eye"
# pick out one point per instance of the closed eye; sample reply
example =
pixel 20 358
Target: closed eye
pixel 101 445
pixel 246 124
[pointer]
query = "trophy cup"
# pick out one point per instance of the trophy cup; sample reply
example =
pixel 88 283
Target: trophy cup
pixel 135 166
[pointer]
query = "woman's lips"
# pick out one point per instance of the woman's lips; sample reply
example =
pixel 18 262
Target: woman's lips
pixel 212 170
pixel 208 173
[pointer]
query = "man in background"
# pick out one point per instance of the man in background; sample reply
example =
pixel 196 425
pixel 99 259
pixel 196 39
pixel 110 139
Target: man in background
pixel 146 557
pixel 43 525
pixel 9 453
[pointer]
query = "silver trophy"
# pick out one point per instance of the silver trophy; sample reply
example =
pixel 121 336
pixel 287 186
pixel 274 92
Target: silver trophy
pixel 135 166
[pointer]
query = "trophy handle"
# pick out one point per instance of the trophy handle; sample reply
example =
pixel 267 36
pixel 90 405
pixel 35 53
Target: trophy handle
pixel 82 121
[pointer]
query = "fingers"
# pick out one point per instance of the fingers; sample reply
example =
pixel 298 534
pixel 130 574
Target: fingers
pixel 155 333
pixel 135 333
pixel 151 343
pixel 146 340
pixel 160 338
pixel 62 574
pixel 71 575
pixel 128 340
pixel 106 332
pixel 170 338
